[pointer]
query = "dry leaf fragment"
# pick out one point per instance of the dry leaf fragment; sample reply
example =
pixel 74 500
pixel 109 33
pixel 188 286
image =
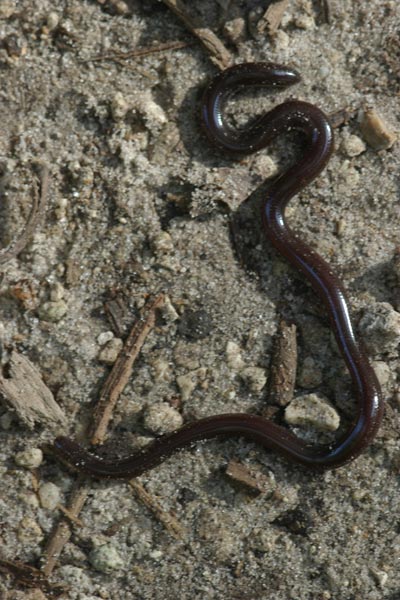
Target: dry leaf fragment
pixel 26 394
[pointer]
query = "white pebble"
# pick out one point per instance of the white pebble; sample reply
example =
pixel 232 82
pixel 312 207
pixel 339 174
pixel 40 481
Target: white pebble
pixel 53 311
pixel 353 145
pixel 162 418
pixel 188 382
pixel 254 378
pixel 29 532
pixel 52 21
pixel 29 459
pixel 109 354
pixel 162 243
pixel 49 495
pixel 106 558
pixel 234 357
pixel 104 337
pixel 312 410
pixel 168 310
pixel 382 371
pixel 57 292
pixel 153 113
pixel 119 107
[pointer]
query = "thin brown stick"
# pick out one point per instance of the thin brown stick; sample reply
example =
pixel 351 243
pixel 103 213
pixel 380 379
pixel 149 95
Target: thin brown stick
pixel 122 370
pixel 283 365
pixel 35 215
pixel 29 576
pixel 170 523
pixel 219 54
pixel 110 392
pixel 67 513
pixel 138 52
pixel 62 532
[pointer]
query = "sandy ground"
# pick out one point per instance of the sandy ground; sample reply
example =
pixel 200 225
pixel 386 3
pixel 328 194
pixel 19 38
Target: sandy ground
pixel 139 204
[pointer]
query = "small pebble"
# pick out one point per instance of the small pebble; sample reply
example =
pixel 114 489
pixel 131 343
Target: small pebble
pixel 281 40
pixel 57 292
pixel 29 499
pixel 162 418
pixel 29 532
pixel 188 382
pixel 106 559
pixel 109 354
pixel 310 376
pixel 255 378
pixel 235 30
pixel 380 328
pixel 168 311
pixel 234 356
pixel 104 337
pixel 49 495
pixel 375 131
pixel 349 176
pixel 29 459
pixel 152 112
pixel 264 166
pixel 312 410
pixel 119 107
pixel 52 21
pixel 6 420
pixel 7 9
pixel 380 576
pixel 76 578
pixel 195 324
pixel 304 22
pixel 161 369
pixel 353 145
pixel 382 371
pixel 162 243
pixel 53 311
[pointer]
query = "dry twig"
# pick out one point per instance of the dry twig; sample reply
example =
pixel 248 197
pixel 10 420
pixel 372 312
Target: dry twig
pixel 138 52
pixel 112 388
pixel 283 365
pixel 220 55
pixel 62 532
pixel 29 577
pixel 122 370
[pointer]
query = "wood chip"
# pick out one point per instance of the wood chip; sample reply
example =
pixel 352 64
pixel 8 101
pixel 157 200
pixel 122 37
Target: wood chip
pixel 25 393
pixel 283 366
pixel 272 17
